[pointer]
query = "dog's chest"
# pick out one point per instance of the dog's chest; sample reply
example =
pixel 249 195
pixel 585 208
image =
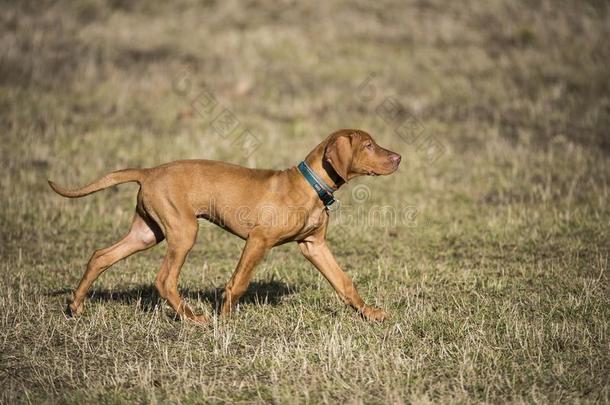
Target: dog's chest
pixel 314 221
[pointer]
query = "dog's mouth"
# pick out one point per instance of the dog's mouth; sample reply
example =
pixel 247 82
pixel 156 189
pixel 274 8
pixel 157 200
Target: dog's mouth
pixel 382 172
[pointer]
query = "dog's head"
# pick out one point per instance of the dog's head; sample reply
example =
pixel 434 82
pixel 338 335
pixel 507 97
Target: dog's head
pixel 352 153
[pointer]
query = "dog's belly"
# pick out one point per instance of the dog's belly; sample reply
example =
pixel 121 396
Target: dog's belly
pixel 283 224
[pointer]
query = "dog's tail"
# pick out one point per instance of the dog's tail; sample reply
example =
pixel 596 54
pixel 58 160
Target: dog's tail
pixel 109 180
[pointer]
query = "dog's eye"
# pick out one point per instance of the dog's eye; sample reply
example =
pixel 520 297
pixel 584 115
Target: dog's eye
pixel 368 145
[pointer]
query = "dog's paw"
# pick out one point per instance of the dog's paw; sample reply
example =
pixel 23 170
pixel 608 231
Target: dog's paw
pixel 201 319
pixel 374 314
pixel 75 309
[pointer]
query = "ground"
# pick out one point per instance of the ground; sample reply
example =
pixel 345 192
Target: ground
pixel 489 246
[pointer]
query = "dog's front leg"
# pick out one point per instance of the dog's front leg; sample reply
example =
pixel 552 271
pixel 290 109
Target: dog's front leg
pixel 256 247
pixel 317 252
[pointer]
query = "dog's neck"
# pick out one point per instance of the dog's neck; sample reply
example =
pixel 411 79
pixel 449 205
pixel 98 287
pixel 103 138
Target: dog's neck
pixel 335 180
pixel 325 170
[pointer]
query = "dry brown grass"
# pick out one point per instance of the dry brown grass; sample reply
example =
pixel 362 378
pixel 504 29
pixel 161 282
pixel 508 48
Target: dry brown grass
pixel 498 280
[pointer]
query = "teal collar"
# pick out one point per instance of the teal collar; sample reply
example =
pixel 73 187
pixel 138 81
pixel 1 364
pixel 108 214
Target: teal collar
pixel 324 191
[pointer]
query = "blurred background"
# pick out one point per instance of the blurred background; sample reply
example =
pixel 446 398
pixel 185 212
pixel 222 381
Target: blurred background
pixel 500 110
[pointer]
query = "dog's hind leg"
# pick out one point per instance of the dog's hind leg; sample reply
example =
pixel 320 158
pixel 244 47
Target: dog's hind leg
pixel 254 251
pixel 142 235
pixel 181 236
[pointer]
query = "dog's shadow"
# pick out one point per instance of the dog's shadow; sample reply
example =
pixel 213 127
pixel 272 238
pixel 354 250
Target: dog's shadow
pixel 147 298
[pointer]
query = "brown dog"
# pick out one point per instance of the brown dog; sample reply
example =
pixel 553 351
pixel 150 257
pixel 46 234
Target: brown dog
pixel 265 207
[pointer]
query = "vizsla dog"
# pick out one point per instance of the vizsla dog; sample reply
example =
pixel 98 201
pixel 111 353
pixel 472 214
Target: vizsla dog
pixel 264 207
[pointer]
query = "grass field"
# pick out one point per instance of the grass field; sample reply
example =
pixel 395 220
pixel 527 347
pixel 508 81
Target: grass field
pixel 495 272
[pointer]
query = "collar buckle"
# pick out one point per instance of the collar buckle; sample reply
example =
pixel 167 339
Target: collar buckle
pixel 333 206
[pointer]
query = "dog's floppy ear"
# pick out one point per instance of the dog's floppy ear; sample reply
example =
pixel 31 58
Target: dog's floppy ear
pixel 339 154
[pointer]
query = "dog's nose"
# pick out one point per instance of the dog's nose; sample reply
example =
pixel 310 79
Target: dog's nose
pixel 395 158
